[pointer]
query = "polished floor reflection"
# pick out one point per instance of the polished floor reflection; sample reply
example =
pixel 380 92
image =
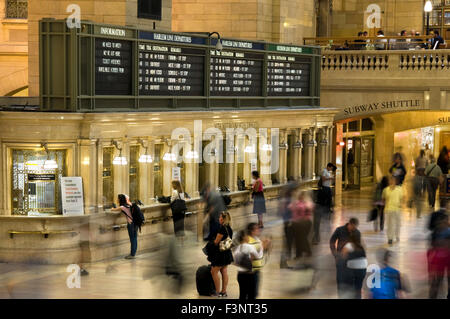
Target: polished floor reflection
pixel 145 276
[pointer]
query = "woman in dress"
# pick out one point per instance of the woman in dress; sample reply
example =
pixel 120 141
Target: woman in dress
pixel 221 259
pixel 259 202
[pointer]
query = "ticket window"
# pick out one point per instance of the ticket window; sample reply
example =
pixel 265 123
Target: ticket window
pixel 108 177
pixel 158 170
pixel 35 183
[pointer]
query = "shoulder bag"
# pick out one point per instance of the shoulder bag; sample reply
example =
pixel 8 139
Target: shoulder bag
pixel 178 205
pixel 226 244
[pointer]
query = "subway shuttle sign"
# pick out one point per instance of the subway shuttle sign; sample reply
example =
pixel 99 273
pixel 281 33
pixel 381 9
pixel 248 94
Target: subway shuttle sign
pixel 381 107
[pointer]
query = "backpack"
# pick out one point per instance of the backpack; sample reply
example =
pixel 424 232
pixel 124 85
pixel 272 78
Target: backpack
pixel 137 216
pixel 226 199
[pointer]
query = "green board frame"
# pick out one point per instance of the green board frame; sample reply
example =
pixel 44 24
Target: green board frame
pixel 67 73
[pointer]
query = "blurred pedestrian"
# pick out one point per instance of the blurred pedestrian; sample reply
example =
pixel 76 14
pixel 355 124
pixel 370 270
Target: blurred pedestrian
pixel 391 284
pixel 244 254
pixel 327 178
pixel 254 232
pixel 286 214
pixel 443 160
pixel 397 169
pixel 338 240
pixel 433 175
pixel 419 183
pixel 220 259
pixel 379 203
pixel 178 206
pixel 302 210
pixel 259 202
pixel 213 208
pixel 438 254
pixel 125 207
pixel 355 266
pixel 393 198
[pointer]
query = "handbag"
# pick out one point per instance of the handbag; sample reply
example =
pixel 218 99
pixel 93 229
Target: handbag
pixel 178 205
pixel 226 244
pixel 373 214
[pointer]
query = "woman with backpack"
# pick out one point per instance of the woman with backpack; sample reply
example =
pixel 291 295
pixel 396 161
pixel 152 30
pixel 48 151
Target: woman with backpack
pixel 125 207
pixel 355 266
pixel 178 206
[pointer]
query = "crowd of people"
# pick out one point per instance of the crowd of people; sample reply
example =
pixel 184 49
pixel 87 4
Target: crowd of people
pixel 403 41
pixel 302 212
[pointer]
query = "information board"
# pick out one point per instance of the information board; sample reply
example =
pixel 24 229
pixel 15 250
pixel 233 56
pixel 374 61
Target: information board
pixel 72 196
pixel 236 73
pixel 169 70
pixel 287 75
pixel 113 67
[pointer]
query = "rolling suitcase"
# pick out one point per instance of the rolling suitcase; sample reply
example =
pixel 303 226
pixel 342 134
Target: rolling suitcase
pixel 205 283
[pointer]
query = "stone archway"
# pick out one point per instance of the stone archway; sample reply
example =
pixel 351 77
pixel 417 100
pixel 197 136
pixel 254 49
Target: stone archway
pixel 14 82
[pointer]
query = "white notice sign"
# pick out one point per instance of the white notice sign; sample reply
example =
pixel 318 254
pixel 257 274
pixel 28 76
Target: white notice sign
pixel 254 165
pixel 72 196
pixel 176 174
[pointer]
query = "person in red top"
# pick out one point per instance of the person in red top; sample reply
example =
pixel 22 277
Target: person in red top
pixel 259 202
pixel 302 210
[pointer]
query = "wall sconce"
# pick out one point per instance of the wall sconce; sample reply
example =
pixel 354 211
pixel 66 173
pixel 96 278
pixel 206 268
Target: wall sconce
pixel 169 157
pixel 192 155
pixel 266 147
pixel 119 160
pixel 250 149
pixel 298 144
pixel 145 158
pixel 283 146
pixel 48 163
pixel 219 46
pixel 341 144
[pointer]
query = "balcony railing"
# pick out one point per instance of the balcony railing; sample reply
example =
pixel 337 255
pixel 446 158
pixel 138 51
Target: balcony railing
pixel 17 9
pixel 373 43
pixel 437 60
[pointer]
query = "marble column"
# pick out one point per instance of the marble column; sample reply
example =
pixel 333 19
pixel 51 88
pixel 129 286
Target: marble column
pixel 282 172
pixel 264 159
pixel 231 165
pixel 310 154
pixel 297 155
pixel 191 172
pixel 88 170
pixel 121 172
pixel 322 149
pixel 146 174
pixel 3 173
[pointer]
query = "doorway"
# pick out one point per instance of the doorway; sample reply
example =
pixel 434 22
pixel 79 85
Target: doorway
pixel 359 162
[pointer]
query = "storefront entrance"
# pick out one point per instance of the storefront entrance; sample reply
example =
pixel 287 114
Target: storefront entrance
pixel 358 162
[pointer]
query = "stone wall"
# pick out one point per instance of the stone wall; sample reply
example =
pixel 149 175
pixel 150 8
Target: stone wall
pixel 286 21
pixel 118 12
pixel 348 17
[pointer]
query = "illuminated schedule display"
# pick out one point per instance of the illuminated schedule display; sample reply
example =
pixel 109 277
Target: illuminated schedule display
pixel 287 76
pixel 168 70
pixel 236 73
pixel 115 68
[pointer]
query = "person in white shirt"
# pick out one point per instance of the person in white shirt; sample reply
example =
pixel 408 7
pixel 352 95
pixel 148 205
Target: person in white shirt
pixel 244 253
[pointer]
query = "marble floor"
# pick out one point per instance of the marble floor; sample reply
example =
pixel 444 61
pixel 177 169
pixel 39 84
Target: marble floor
pixel 144 276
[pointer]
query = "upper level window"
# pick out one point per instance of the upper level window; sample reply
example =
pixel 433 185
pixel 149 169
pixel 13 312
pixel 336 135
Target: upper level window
pixel 149 9
pixel 17 9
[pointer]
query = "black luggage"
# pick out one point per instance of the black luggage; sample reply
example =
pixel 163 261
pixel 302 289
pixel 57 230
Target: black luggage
pixel 204 280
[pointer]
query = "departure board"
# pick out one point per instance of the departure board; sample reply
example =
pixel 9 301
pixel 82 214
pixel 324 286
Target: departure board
pixel 169 70
pixel 236 73
pixel 110 68
pixel 287 75
pixel 113 67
